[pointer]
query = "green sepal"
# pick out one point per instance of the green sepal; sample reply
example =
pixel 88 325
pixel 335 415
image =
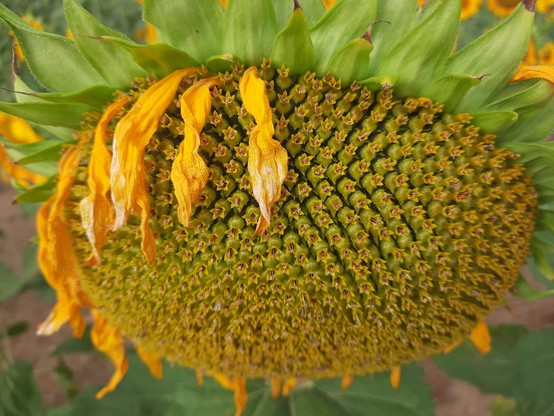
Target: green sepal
pixel 449 89
pixel 293 46
pixel 96 96
pixel 524 290
pixel 194 26
pixel 396 17
pixel 534 123
pixel 221 63
pixel 533 153
pixel 377 83
pixel 54 60
pixel 51 114
pixel 250 29
pixel 496 54
pixel 26 153
pixel 419 57
pixel 352 62
pixel 313 10
pixel 344 22
pixel 159 59
pixel 521 94
pixel 38 194
pixel 493 121
pixel 542 248
pixel 113 63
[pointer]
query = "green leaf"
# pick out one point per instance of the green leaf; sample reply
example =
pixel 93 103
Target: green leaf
pixel 16 329
pixel 250 29
pixel 351 63
pixel 313 10
pixel 373 394
pixel 524 290
pixel 114 64
pixel 497 53
pixel 10 284
pixel 66 379
pixel 34 152
pixel 309 400
pixel 534 375
pixel 159 59
pixel 493 121
pixel 338 27
pixel 19 393
pixel 96 97
pixel 293 46
pixel 53 59
pixel 71 345
pixel 38 194
pixel 492 373
pixel 420 57
pixel 261 403
pixel 52 114
pixel 518 95
pixel 502 406
pixel 194 26
pixel 449 89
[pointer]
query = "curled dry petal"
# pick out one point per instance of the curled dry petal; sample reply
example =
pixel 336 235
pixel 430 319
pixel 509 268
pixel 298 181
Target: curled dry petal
pixel 189 172
pixel 97 212
pixel 108 340
pixel 267 159
pixel 128 173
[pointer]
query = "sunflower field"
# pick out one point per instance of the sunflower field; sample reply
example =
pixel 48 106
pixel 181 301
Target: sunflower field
pixel 276 207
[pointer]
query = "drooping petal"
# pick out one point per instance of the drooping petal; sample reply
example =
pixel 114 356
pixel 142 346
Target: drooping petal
pixel 346 382
pixel 235 384
pixel 395 374
pixel 152 361
pixel 56 257
pixel 267 159
pixel 22 176
pixel 275 388
pixel 288 385
pixel 481 338
pixel 97 212
pixel 108 340
pixel 189 172
pixel 535 71
pixel 132 134
pixel 199 376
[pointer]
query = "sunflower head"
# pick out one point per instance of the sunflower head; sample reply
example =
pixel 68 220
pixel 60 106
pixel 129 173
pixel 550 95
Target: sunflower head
pixel 275 190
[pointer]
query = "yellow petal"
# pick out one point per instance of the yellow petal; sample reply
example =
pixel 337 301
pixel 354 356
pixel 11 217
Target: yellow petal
pixel 199 376
pixel 189 172
pixel 275 388
pixel 329 3
pixel 132 134
pixel 152 361
pixel 97 212
pixel 148 34
pixel 452 347
pixel 17 130
pixel 535 71
pixel 346 382
pixel 395 374
pixel 108 340
pixel 223 380
pixel 267 159
pixel 288 385
pixel 22 176
pixel 241 396
pixel 470 8
pixel 56 257
pixel 481 338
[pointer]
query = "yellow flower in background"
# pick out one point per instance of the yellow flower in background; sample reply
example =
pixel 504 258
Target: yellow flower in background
pixel 271 194
pixel 469 7
pixel 546 54
pixel 503 8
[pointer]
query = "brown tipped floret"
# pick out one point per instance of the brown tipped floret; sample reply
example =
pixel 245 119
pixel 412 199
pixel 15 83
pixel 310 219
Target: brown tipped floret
pixel 398 228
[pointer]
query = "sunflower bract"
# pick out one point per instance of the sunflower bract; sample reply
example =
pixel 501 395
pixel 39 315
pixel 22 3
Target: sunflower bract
pixel 362 200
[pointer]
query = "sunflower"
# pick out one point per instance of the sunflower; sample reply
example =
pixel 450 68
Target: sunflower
pixel 280 191
pixel 503 8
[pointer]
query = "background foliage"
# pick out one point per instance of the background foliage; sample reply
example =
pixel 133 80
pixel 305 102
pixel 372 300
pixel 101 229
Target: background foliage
pixel 519 372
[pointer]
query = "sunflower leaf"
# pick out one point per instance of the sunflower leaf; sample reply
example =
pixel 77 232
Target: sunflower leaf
pixel 51 57
pixel 449 89
pixel 418 57
pixel 114 64
pixel 524 290
pixel 250 28
pixel 338 27
pixel 496 54
pixel 52 114
pixel 514 97
pixel 37 194
pixel 35 152
pixel 194 26
pixel 293 46
pixel 159 59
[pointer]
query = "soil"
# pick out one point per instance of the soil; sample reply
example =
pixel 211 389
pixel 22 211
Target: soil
pixel 453 397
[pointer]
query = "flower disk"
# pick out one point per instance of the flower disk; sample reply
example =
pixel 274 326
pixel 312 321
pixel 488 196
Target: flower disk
pixel 397 229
